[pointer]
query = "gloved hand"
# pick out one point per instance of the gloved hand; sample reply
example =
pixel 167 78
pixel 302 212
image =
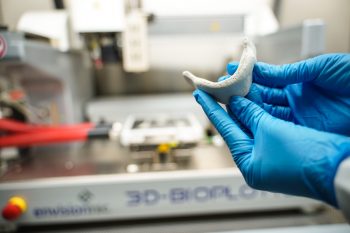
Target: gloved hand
pixel 277 155
pixel 313 93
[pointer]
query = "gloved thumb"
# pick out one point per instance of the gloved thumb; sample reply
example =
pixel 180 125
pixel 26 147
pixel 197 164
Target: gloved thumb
pixel 248 113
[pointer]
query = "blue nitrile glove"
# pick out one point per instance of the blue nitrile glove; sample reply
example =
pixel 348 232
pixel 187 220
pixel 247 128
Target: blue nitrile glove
pixel 313 93
pixel 277 155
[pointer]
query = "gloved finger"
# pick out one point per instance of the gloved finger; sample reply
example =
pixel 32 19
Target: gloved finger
pixel 222 78
pixel 274 96
pixel 232 67
pixel 282 112
pixel 248 113
pixel 254 94
pixel 240 149
pixel 219 118
pixel 239 124
pixel 265 95
pixel 269 95
pixel 282 75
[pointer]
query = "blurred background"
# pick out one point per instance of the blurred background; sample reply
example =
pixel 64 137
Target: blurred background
pixel 99 130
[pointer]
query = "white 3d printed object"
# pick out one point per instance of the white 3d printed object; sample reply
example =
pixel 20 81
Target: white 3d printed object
pixel 237 84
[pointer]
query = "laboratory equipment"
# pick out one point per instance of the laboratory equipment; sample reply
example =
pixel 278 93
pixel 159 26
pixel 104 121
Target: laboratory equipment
pixel 43 81
pixel 152 130
pixel 98 181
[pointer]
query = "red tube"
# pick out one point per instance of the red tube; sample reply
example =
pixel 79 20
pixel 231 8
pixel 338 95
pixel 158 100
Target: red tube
pixel 42 138
pixel 19 127
pixel 14 126
pixel 81 126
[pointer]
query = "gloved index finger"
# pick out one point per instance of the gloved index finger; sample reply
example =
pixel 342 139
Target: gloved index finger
pixel 282 75
pixel 220 118
pixel 271 95
pixel 248 113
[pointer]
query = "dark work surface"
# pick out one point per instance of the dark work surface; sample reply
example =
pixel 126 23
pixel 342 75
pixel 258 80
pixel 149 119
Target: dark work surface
pixel 205 223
